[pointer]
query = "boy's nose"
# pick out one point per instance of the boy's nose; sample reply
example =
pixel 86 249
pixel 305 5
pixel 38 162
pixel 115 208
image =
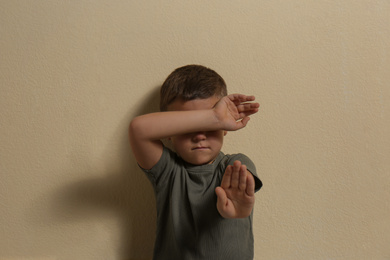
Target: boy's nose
pixel 199 136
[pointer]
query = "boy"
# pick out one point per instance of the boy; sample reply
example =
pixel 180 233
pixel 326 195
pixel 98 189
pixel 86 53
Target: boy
pixel 204 198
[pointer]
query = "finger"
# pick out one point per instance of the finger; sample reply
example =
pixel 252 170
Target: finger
pixel 242 123
pixel 222 197
pixel 245 121
pixel 243 177
pixel 235 180
pixel 250 184
pixel 247 107
pixel 225 183
pixel 248 113
pixel 239 98
pixel 250 98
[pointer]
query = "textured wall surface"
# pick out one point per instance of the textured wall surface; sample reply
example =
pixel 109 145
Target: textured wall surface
pixel 73 74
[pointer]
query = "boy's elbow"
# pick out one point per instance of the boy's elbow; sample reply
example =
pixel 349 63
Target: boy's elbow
pixel 135 128
pixel 132 124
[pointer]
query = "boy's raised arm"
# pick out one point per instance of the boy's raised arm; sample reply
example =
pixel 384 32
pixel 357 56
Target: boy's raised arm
pixel 146 131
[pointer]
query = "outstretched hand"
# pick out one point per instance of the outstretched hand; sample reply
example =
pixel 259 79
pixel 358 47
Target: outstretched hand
pixel 236 195
pixel 233 111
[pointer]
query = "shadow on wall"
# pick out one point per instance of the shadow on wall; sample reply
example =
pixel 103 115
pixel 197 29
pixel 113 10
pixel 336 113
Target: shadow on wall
pixel 126 194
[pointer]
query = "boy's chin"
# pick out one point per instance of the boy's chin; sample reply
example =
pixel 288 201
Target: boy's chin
pixel 200 161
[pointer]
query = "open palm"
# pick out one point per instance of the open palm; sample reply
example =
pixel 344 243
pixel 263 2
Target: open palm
pixel 236 195
pixel 233 111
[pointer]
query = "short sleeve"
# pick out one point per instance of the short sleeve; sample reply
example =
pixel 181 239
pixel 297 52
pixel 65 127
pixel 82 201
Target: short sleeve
pixel 163 169
pixel 250 167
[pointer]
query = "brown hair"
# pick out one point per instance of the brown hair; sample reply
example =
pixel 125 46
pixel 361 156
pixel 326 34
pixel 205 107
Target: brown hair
pixel 191 82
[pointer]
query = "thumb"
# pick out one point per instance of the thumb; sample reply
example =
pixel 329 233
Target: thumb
pixel 222 198
pixel 245 120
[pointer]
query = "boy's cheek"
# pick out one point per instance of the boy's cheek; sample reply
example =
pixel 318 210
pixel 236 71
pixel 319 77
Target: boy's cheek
pixel 180 144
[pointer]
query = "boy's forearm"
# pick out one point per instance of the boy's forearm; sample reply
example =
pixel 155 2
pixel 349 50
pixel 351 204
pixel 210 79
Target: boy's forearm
pixel 160 125
pixel 230 113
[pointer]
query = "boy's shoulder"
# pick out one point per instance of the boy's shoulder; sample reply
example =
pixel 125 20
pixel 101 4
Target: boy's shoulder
pixel 229 159
pixel 171 164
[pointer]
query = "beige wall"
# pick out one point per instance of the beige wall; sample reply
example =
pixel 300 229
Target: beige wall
pixel 73 74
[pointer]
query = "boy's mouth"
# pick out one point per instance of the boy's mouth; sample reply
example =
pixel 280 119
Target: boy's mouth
pixel 200 148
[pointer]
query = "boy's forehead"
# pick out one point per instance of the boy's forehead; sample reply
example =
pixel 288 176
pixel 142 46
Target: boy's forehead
pixel 195 104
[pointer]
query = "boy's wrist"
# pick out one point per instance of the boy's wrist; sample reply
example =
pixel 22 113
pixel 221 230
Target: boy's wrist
pixel 217 120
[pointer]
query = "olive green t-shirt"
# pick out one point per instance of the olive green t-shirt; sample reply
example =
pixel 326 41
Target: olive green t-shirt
pixel 188 223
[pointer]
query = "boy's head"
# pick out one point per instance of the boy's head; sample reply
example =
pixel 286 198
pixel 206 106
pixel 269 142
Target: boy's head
pixel 191 82
pixel 194 87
